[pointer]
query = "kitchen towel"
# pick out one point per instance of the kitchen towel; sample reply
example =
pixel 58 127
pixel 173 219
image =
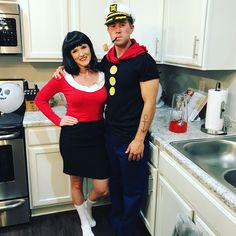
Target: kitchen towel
pixel 185 227
pixel 216 101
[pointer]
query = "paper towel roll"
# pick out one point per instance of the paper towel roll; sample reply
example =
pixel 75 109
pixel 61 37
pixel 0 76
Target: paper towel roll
pixel 213 111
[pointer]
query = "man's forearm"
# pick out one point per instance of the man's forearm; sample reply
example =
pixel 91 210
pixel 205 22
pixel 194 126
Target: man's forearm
pixel 149 92
pixel 145 121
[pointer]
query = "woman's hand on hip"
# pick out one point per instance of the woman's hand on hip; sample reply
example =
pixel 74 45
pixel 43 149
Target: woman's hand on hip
pixel 68 120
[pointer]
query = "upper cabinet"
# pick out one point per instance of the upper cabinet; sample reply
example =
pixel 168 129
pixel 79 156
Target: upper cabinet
pixel 148 25
pixel 92 19
pixel 200 34
pixel 45 24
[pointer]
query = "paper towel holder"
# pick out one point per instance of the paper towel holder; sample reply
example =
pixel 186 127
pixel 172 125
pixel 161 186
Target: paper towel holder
pixel 212 131
pixel 217 132
pixel 220 114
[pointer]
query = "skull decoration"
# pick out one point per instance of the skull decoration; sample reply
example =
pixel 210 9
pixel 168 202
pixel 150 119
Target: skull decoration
pixel 11 97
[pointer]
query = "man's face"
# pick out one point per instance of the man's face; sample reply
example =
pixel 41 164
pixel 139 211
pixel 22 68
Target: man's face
pixel 121 31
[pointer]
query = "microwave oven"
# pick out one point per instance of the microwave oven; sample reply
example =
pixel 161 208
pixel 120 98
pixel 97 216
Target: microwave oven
pixel 10 31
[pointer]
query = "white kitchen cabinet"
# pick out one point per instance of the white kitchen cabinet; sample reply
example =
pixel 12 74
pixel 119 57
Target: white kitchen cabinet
pixel 92 19
pixel 169 205
pixel 49 187
pixel 149 206
pixel 200 34
pixel 204 229
pixel 45 25
pixel 44 28
pixel 48 183
pixel 148 25
pixel 148 210
pixel 177 185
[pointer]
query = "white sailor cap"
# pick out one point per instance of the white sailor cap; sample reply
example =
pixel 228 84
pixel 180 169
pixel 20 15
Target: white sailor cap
pixel 117 11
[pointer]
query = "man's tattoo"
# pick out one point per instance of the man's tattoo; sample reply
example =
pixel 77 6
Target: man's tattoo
pixel 145 120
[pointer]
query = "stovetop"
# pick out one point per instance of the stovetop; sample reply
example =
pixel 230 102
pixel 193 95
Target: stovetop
pixel 11 120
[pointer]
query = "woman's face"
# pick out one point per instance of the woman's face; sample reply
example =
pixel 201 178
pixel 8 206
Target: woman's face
pixel 81 55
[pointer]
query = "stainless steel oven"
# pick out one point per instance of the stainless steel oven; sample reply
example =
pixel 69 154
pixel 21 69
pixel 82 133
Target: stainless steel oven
pixel 10 31
pixel 12 165
pixel 14 200
pixel 14 203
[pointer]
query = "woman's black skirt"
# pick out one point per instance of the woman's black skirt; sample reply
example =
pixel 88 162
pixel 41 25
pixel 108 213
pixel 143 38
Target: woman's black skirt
pixel 82 147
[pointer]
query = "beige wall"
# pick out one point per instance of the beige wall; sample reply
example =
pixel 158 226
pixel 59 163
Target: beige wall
pixel 13 67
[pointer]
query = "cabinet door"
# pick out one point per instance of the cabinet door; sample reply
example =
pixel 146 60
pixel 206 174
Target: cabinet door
pixel 48 184
pixel 42 135
pixel 93 25
pixel 169 205
pixel 184 24
pixel 154 155
pixel 45 24
pixel 92 21
pixel 148 210
pixel 148 25
pixel 204 229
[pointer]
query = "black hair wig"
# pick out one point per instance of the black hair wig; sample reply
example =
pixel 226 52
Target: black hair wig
pixel 74 39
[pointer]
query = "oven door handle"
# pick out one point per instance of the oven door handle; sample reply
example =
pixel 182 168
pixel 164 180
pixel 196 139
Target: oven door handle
pixel 12 204
pixel 10 136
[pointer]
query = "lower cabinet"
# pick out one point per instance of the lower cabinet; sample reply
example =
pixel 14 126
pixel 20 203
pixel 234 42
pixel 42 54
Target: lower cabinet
pixel 49 187
pixel 170 204
pixel 149 206
pixel 48 183
pixel 178 193
pixel 148 210
pixel 174 212
pixel 204 229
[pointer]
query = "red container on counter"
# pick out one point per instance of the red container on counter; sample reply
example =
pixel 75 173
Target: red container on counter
pixel 179 114
pixel 178 126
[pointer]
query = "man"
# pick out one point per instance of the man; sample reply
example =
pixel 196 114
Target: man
pixel 132 83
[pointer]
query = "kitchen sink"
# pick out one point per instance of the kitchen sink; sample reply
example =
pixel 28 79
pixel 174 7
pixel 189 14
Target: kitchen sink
pixel 230 177
pixel 216 156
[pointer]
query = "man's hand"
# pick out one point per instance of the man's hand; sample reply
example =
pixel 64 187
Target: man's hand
pixel 59 73
pixel 135 150
pixel 68 120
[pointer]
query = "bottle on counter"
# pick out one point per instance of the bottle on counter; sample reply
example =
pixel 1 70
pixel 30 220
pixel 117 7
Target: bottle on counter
pixel 179 114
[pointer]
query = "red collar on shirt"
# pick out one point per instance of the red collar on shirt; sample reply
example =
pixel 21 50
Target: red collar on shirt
pixel 134 50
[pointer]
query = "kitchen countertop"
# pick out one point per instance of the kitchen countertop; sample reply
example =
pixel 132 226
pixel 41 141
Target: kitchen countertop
pixel 37 118
pixel 162 137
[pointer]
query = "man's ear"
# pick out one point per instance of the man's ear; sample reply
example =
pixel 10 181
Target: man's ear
pixel 132 27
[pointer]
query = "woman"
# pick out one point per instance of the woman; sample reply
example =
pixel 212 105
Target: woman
pixel 82 143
